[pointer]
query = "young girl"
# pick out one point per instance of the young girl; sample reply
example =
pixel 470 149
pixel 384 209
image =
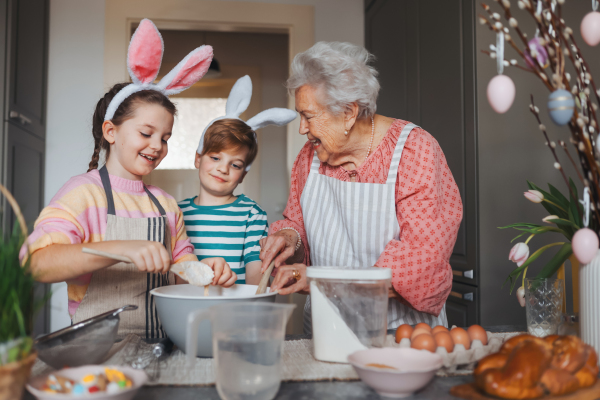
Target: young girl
pixel 219 223
pixel 111 209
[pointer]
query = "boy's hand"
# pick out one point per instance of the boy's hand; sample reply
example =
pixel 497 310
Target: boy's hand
pixel 147 256
pixel 224 276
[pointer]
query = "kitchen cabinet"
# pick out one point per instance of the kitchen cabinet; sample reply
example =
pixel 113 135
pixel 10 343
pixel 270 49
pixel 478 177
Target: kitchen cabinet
pixel 23 69
pixel 425 55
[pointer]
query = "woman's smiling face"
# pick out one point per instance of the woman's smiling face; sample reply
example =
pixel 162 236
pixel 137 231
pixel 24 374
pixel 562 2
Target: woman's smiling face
pixel 324 130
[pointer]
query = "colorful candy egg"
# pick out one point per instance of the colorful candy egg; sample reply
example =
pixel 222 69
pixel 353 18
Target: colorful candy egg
pixel 585 245
pixel 501 93
pixel 538 52
pixel 590 28
pixel 561 106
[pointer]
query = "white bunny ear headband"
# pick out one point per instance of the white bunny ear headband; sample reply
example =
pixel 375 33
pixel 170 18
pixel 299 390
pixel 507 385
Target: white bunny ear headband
pixel 143 62
pixel 239 100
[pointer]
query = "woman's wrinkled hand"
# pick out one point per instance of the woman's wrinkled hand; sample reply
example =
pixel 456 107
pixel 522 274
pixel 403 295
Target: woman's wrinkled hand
pixel 277 247
pixel 224 276
pixel 285 283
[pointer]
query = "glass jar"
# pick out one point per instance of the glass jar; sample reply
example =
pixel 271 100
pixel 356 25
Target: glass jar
pixel 543 305
pixel 348 309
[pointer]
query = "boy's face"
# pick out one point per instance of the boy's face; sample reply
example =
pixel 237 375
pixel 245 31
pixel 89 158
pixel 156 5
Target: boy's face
pixel 220 173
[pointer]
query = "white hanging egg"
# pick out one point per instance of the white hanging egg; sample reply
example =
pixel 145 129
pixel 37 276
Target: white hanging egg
pixel 501 93
pixel 561 106
pixel 590 28
pixel 585 245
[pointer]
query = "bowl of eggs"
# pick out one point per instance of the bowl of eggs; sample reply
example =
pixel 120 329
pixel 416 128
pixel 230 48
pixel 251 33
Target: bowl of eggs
pixel 394 372
pixel 456 346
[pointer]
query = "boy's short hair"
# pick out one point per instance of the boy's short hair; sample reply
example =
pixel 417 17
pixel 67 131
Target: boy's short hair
pixel 230 133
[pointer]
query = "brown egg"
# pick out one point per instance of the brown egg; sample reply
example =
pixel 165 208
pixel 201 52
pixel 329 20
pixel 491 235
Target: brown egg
pixel 476 332
pixel 460 336
pixel 443 339
pixel 419 331
pixel 423 325
pixel 403 331
pixel 439 328
pixel 423 342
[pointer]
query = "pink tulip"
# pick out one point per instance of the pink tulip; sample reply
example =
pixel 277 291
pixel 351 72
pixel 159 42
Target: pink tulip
pixel 519 253
pixel 549 218
pixel 521 296
pixel 534 196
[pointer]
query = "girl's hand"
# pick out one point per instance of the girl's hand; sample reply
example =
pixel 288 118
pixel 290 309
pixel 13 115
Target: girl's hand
pixel 224 276
pixel 285 283
pixel 278 247
pixel 147 256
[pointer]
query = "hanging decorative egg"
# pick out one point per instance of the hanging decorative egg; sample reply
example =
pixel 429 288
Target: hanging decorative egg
pixel 501 93
pixel 585 245
pixel 538 52
pixel 561 106
pixel 590 28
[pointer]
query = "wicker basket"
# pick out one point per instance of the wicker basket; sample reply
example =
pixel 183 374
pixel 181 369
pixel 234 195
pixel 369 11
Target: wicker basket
pixel 13 376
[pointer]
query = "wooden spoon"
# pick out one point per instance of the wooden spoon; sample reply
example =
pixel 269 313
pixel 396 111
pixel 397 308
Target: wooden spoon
pixel 264 280
pixel 175 268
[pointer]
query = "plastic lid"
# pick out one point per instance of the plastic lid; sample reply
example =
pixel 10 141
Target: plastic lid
pixel 354 273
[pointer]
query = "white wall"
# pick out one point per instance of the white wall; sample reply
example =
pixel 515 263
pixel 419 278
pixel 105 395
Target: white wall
pixel 76 76
pixel 75 72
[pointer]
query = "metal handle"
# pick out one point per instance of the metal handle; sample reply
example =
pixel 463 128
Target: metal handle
pixel 466 274
pixel 129 307
pixel 22 118
pixel 464 296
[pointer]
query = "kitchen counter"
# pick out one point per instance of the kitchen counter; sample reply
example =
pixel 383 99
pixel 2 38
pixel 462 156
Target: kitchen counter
pixel 438 389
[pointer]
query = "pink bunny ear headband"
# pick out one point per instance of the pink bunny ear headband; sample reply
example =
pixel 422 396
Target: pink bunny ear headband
pixel 143 62
pixel 238 101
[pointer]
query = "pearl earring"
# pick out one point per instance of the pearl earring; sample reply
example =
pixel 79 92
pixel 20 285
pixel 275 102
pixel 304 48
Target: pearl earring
pixel 346 133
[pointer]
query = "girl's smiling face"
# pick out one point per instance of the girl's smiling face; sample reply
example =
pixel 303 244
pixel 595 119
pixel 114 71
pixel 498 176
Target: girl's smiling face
pixel 221 172
pixel 139 144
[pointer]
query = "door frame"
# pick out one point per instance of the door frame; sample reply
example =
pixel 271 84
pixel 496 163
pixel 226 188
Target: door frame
pixel 233 16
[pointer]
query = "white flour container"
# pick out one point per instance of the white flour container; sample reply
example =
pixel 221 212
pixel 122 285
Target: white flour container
pixel 348 309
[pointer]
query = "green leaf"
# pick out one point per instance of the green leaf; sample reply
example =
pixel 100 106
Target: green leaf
pixel 554 264
pixel 574 214
pixel 560 198
pixel 517 271
pixel 552 209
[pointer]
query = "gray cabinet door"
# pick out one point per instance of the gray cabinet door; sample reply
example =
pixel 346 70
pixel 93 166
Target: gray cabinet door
pixel 25 180
pixel 28 44
pixel 425 56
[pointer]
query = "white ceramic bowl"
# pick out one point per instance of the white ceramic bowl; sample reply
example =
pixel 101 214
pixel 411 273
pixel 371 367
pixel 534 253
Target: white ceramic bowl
pixel 175 302
pixel 414 369
pixel 138 379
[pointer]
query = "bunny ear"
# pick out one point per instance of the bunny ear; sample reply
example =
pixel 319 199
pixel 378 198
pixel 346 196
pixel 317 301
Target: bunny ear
pixel 239 97
pixel 145 53
pixel 273 116
pixel 189 71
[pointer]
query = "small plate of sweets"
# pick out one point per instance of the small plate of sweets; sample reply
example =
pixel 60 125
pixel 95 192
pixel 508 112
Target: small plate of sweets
pixel 91 381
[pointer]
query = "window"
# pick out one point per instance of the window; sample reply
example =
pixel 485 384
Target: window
pixel 192 117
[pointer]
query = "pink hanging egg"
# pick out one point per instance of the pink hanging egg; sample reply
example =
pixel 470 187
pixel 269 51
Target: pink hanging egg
pixel 585 245
pixel 590 28
pixel 501 93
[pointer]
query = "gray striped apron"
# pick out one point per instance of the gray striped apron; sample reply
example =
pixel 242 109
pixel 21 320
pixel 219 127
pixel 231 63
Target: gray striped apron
pixel 350 223
pixel 123 283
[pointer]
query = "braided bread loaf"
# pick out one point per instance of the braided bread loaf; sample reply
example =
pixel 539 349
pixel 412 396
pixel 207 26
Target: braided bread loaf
pixel 527 367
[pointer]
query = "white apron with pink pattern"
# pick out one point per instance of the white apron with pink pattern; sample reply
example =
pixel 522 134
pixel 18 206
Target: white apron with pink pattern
pixel 350 223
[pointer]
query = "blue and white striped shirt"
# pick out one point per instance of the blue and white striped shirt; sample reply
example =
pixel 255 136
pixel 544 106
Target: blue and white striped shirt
pixel 231 231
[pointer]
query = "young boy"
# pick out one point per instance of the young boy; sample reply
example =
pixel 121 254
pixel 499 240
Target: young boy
pixel 219 223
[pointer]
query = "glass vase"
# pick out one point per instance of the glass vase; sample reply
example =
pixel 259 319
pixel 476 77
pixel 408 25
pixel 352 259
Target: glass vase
pixel 543 305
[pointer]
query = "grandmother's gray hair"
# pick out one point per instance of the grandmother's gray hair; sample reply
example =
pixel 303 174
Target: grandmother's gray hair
pixel 342 71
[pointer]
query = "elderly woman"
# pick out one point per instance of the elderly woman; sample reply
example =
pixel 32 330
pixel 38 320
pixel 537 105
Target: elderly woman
pixel 366 190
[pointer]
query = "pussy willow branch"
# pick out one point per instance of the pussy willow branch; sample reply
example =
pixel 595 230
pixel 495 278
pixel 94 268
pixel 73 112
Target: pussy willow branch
pixel 489 53
pixel 564 147
pixel 554 47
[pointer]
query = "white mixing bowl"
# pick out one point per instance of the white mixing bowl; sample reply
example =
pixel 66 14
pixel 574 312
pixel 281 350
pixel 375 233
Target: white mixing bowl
pixel 175 302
